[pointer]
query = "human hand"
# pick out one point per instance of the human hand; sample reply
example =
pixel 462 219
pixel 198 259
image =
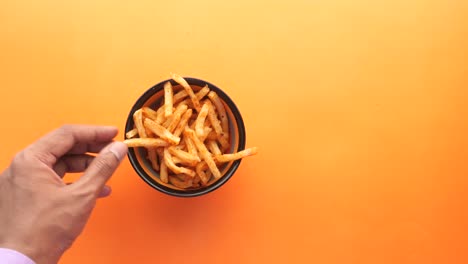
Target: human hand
pixel 40 215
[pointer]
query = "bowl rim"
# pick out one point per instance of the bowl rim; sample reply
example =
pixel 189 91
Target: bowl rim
pixel 197 192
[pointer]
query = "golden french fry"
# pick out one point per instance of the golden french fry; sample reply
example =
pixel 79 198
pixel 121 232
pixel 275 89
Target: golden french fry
pixel 188 89
pixel 224 143
pixel 184 156
pixel 213 147
pixel 221 112
pixel 204 153
pixel 212 136
pixel 149 113
pixel 160 115
pixel 192 149
pixel 235 156
pixel 180 184
pixel 180 96
pixel 200 171
pixel 176 118
pixel 163 172
pixel 183 122
pixel 180 109
pixel 215 121
pixel 206 132
pixel 161 132
pixel 208 175
pixel 199 123
pixel 202 93
pixel 168 99
pixel 138 120
pixel 152 156
pixel 145 142
pixel 174 168
pixel 132 133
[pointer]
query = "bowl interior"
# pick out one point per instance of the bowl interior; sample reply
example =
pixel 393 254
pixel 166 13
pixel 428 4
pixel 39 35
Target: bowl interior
pixel 153 98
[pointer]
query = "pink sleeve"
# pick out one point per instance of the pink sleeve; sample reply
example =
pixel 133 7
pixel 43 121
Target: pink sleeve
pixel 9 256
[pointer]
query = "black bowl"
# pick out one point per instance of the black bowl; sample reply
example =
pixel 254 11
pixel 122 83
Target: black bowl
pixel 142 166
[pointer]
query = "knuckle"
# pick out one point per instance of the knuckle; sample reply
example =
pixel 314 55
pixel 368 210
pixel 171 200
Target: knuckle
pixel 66 128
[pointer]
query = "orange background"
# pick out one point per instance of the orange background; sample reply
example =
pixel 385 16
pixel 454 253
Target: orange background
pixel 359 108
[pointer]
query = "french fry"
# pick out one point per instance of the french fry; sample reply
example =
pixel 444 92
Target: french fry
pixel 212 136
pixel 199 123
pixel 138 120
pixel 180 96
pixel 132 133
pixel 180 184
pixel 235 156
pixel 213 147
pixel 183 122
pixel 192 149
pixel 163 173
pixel 224 143
pixel 176 118
pixel 161 132
pixel 145 142
pixel 168 94
pixel 204 153
pixel 149 113
pixel 202 93
pixel 174 168
pixel 200 171
pixel 206 132
pixel 188 89
pixel 215 121
pixel 221 112
pixel 152 156
pixel 160 115
pixel 184 156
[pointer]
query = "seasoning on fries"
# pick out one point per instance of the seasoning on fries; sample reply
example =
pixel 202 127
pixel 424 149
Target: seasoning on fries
pixel 186 137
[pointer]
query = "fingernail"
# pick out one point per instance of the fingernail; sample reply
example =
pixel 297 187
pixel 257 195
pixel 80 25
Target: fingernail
pixel 119 150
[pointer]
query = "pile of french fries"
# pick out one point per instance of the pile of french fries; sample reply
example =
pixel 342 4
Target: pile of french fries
pixel 187 137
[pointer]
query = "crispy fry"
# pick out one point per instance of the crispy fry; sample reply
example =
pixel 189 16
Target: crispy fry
pixel 176 117
pixel 184 156
pixel 138 120
pixel 201 173
pixel 132 133
pixel 206 132
pixel 145 142
pixel 224 143
pixel 174 168
pixel 183 122
pixel 221 112
pixel 161 132
pixel 188 89
pixel 152 156
pixel 199 123
pixel 212 136
pixel 149 113
pixel 192 149
pixel 168 99
pixel 180 96
pixel 213 147
pixel 163 175
pixel 204 153
pixel 203 92
pixel 160 118
pixel 180 184
pixel 235 156
pixel 215 121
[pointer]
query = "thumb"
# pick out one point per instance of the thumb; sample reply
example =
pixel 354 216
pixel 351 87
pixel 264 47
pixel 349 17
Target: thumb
pixel 103 166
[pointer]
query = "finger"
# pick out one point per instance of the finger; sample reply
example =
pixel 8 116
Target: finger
pixel 105 191
pixel 72 163
pixel 60 141
pixel 94 147
pixel 102 167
